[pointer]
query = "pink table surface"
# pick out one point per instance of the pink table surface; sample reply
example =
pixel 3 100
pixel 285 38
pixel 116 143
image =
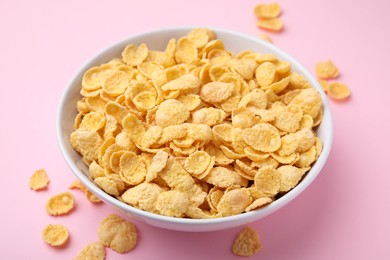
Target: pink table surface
pixel 344 214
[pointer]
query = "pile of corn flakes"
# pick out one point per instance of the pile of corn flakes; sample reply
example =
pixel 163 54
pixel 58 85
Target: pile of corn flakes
pixel 196 131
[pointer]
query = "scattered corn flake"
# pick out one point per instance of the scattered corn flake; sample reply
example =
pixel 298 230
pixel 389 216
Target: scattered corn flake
pixel 273 24
pixel 267 11
pixel 326 70
pixel 92 251
pixel 90 196
pixel 39 180
pixel 60 204
pixel 246 243
pixel 55 235
pixel 338 91
pixel 117 233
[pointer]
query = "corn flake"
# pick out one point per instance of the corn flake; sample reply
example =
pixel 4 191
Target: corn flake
pixel 55 235
pixel 273 24
pixel 246 243
pixel 338 91
pixel 262 137
pixel 93 251
pixel 60 204
pixel 117 233
pixel 172 203
pixel 39 180
pixel 267 11
pixel 134 55
pixel 326 70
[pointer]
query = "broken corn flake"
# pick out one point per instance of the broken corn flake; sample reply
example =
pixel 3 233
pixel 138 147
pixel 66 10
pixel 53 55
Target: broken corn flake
pixel 93 251
pixel 117 233
pixel 89 195
pixel 55 235
pixel 246 243
pixel 60 204
pixel 195 130
pixel 39 180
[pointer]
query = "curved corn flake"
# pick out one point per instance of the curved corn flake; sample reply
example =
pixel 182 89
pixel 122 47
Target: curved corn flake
pixel 254 100
pixel 191 101
pixel 95 170
pixel 93 121
pixel 258 203
pixel 234 202
pixel 107 185
pixel 306 158
pixel 280 85
pixel 209 116
pixel 105 161
pixel 60 204
pixel 222 177
pixel 265 74
pixel 286 159
pixel 172 203
pixel 87 143
pixel 242 117
pixel 223 132
pixel 268 181
pixel 132 168
pixel 230 153
pixel 90 196
pixel 262 137
pixel 254 155
pixel 145 100
pixel 318 119
pixel 171 112
pixel 273 24
pixel 116 83
pixel 39 180
pixel 151 136
pixel 94 77
pixel 216 92
pixel 114 161
pixel 285 120
pixel 134 126
pixel 197 162
pixel 289 177
pixel 266 11
pixel 201 36
pixel 271 162
pixel 143 196
pixel 123 139
pixel 199 132
pixel 298 81
pixel 306 139
pixel 185 82
pixel 326 70
pixel 220 158
pixel 318 146
pixel 246 243
pixel 244 67
pixel 245 170
pixel 117 111
pixel 186 51
pixel 95 251
pixel 117 233
pixel 171 133
pixel 55 235
pixel 338 91
pixel 309 100
pixel 158 163
pixel 134 55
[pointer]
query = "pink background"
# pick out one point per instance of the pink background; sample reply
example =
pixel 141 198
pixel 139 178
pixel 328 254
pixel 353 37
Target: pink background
pixel 344 214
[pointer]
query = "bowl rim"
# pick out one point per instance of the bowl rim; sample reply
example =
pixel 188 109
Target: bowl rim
pixel 260 213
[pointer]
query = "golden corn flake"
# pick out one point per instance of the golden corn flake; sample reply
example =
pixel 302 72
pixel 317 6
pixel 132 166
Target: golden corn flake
pixel 234 202
pixel 93 251
pixel 39 180
pixel 55 235
pixel 196 131
pixel 135 55
pixel 171 112
pixel 266 11
pixel 326 70
pixel 60 204
pixel 172 203
pixel 338 91
pixel 273 24
pixel 246 243
pixel 117 233
pixel 262 137
pixel 266 37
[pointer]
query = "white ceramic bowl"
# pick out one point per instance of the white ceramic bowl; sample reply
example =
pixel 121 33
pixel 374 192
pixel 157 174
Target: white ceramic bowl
pixel 233 41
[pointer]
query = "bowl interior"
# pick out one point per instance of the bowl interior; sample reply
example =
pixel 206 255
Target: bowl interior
pixel 157 40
